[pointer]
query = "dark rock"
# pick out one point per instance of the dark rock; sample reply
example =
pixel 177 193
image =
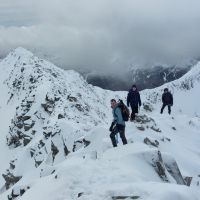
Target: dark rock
pixel 159 167
pixel 15 193
pixel 141 128
pixel 86 142
pixel 24 118
pixel 32 152
pixel 188 180
pixel 48 107
pixel 124 197
pixel 22 191
pixel 54 150
pixel 12 166
pixel 165 138
pixel 79 107
pixel 80 143
pixel 47 134
pixel 10 179
pixel 66 151
pixel 174 128
pixel 149 142
pixel 19 125
pixel 80 194
pixel 72 99
pixel 33 132
pixel 41 144
pixel 156 129
pixel 26 140
pixel 60 116
pixel 57 98
pixel 28 126
pixel 13 140
pixel 38 163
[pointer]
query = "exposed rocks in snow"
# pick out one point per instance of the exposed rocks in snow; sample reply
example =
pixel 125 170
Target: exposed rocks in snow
pixel 80 194
pixel 188 180
pixel 165 139
pixel 147 107
pixel 143 119
pixel 141 128
pixel 146 122
pixel 173 169
pixel 60 116
pixel 157 163
pixel 54 150
pixel 149 142
pixel 174 128
pixel 10 179
pixel 155 129
pixel 82 143
pixel 17 192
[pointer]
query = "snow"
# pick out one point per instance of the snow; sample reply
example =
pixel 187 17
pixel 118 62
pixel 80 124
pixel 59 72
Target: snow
pixel 92 168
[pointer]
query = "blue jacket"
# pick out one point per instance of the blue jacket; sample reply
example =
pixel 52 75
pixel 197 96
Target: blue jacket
pixel 117 115
pixel 133 98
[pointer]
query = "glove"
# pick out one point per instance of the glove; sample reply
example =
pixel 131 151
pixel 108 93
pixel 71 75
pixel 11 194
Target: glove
pixel 111 127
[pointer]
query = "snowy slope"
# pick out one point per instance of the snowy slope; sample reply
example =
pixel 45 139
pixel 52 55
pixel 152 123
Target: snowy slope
pixel 55 141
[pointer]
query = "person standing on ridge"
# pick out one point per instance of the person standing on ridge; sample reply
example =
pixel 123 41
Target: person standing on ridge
pixel 134 100
pixel 167 100
pixel 118 124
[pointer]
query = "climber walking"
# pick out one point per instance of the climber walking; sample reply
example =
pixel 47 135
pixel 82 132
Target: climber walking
pixel 134 100
pixel 118 124
pixel 167 100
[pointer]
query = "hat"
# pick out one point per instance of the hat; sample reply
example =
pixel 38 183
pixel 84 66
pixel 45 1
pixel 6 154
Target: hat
pixel 166 90
pixel 134 86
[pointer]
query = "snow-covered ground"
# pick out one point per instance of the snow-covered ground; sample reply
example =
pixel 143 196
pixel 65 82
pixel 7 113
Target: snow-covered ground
pixel 55 145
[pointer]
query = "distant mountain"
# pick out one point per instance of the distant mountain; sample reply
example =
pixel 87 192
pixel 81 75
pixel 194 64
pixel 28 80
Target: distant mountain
pixel 145 78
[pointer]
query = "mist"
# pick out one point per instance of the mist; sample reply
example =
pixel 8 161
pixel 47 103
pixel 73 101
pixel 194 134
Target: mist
pixel 103 36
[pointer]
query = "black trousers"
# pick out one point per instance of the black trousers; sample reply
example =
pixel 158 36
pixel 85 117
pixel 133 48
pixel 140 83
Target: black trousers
pixel 121 130
pixel 163 107
pixel 134 110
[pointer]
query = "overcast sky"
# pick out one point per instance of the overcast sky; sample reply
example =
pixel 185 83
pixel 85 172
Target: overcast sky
pixel 103 34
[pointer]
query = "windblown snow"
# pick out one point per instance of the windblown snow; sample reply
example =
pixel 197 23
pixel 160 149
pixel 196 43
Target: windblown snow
pixel 55 144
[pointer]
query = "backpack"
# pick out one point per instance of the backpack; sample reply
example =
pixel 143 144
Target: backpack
pixel 124 110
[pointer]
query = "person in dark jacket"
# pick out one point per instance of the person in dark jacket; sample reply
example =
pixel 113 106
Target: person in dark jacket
pixel 134 100
pixel 118 124
pixel 167 100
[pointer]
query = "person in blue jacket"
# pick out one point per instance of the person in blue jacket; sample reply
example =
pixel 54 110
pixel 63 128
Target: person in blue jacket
pixel 134 100
pixel 118 124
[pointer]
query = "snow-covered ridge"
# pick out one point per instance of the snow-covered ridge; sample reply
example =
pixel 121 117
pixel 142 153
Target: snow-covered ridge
pixel 49 103
pixel 55 139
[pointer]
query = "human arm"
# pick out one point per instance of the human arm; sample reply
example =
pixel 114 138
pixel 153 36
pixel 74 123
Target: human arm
pixel 128 99
pixel 139 99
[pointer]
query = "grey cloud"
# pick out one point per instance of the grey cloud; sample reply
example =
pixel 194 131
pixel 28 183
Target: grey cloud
pixel 103 35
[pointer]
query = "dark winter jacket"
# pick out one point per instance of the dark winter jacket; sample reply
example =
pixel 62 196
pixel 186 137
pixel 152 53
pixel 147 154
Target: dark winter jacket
pixel 167 98
pixel 133 98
